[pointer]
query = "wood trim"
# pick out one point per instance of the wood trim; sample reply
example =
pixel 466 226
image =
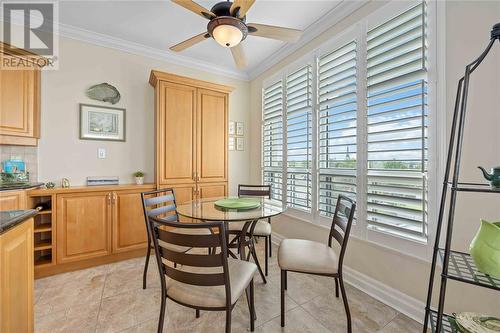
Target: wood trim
pixel 17 140
pixel 83 189
pixel 156 76
pixel 21 53
pixel 77 265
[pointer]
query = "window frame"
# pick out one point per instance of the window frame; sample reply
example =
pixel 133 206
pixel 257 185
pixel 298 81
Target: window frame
pixel 436 131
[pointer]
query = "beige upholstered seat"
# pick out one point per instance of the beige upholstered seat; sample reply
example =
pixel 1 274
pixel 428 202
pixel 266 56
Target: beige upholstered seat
pixel 262 228
pixel 240 275
pixel 300 255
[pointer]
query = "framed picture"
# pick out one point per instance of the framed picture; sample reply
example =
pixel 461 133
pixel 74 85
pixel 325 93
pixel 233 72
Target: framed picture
pixel 102 123
pixel 231 143
pixel 239 129
pixel 232 128
pixel 240 144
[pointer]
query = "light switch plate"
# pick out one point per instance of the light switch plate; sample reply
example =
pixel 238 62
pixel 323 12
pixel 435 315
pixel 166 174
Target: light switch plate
pixel 101 153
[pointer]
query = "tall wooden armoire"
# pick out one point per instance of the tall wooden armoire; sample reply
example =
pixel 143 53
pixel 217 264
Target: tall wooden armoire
pixel 191 131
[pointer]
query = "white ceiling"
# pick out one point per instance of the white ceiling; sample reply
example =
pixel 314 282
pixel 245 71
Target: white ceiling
pixel 161 24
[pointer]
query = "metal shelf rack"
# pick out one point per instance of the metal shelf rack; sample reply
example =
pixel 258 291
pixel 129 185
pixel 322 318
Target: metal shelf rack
pixel 457 266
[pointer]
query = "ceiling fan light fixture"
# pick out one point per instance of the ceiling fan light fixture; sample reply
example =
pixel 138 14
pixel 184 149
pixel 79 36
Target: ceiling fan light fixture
pixel 227 31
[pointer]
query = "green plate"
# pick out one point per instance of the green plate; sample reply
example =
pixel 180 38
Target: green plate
pixel 238 203
pixel 477 323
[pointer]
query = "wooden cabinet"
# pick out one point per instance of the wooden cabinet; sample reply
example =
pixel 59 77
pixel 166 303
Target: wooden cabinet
pixel 210 190
pixel 129 230
pixel 19 104
pixel 191 134
pixel 83 226
pixel 212 136
pixel 16 279
pixel 12 200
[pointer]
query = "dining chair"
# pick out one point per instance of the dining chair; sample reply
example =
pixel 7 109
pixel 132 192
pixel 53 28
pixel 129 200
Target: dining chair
pixel 161 205
pixel 262 228
pixel 309 257
pixel 205 281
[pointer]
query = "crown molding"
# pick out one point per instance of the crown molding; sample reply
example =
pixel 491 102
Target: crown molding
pixel 325 22
pixel 103 40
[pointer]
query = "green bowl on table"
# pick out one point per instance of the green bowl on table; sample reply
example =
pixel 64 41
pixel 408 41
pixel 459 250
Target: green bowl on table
pixel 238 203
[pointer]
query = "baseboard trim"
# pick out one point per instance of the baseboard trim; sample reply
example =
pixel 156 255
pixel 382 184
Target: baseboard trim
pixel 392 297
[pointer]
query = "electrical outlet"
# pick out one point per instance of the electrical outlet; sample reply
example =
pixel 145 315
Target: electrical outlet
pixel 101 153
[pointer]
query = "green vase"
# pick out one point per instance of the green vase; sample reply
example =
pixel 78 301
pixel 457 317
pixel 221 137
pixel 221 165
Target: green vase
pixel 485 248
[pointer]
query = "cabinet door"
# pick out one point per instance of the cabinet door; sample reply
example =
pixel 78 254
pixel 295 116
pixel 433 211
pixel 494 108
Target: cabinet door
pixel 212 136
pixel 129 228
pixel 176 120
pixel 12 200
pixel 16 279
pixel 83 226
pixel 212 190
pixel 19 96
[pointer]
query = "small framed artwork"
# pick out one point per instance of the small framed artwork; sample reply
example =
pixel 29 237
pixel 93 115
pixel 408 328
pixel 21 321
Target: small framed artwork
pixel 102 123
pixel 232 128
pixel 240 144
pixel 231 143
pixel 239 129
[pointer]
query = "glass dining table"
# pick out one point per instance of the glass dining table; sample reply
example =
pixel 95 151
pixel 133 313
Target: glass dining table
pixel 206 210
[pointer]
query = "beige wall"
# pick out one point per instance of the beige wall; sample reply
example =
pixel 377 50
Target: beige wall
pixel 467 31
pixel 62 154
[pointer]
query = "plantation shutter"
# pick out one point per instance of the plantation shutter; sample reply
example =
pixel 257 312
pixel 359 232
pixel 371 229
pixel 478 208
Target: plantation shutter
pixel 299 138
pixel 337 127
pixel 272 137
pixel 397 124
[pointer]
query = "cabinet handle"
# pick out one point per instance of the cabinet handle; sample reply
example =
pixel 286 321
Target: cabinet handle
pixel 114 197
pixel 109 198
pixel 197 176
pixel 194 175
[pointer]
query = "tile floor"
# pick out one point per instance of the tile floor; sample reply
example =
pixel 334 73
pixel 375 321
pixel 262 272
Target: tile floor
pixel 110 299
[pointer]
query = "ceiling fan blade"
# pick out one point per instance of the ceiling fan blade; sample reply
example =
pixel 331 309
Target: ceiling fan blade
pixel 195 8
pixel 239 56
pixel 273 32
pixel 190 42
pixel 242 5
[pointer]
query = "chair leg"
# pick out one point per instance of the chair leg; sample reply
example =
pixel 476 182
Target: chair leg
pixel 252 307
pixel 346 305
pixel 283 283
pixel 162 312
pixel 228 321
pixel 254 255
pixel 336 288
pixel 197 313
pixel 266 263
pixel 146 264
pixel 286 280
pixel 270 247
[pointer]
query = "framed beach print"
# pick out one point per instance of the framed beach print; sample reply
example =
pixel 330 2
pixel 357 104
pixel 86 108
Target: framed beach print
pixel 232 128
pixel 239 129
pixel 102 123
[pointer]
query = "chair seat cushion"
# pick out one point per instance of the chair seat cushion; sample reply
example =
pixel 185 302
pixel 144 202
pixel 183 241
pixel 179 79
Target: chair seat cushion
pixel 240 275
pixel 306 256
pixel 185 231
pixel 262 228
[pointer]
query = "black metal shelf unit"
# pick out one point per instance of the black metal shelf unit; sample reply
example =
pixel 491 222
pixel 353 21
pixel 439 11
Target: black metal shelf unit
pixel 457 266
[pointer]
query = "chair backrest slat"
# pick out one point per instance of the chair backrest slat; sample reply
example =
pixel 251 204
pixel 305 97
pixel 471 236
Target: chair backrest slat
pixel 161 210
pixel 205 280
pixel 196 260
pixel 187 240
pixel 160 199
pixel 254 191
pixel 338 236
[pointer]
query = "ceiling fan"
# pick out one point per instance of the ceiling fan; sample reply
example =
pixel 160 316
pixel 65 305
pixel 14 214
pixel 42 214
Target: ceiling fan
pixel 228 27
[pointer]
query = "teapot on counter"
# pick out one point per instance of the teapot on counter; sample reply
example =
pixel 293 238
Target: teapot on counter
pixel 493 177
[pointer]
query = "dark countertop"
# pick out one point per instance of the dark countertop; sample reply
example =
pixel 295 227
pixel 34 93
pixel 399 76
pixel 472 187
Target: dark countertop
pixel 10 218
pixel 18 186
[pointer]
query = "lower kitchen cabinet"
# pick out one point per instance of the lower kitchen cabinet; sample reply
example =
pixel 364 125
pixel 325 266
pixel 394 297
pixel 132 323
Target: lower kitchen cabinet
pixel 12 200
pixel 16 279
pixel 83 226
pixel 129 229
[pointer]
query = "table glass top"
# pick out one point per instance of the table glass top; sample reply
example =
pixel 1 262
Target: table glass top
pixel 205 209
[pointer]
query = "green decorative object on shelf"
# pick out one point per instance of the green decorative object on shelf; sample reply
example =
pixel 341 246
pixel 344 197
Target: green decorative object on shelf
pixel 493 177
pixel 469 322
pixel 238 203
pixel 485 248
